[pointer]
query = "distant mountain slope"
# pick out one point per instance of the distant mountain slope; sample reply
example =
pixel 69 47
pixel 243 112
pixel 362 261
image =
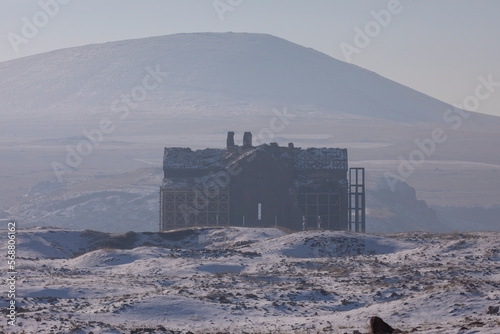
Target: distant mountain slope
pixel 249 67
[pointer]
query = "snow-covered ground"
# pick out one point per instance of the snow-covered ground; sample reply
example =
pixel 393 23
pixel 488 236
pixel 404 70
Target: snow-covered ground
pixel 247 280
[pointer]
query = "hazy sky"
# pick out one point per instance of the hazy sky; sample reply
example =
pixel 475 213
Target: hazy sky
pixel 439 47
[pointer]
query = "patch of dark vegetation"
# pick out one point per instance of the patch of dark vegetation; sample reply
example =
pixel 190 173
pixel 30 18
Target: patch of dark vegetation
pixel 181 234
pixel 94 234
pixel 243 243
pixel 250 254
pixel 212 253
pixel 158 329
pixel 493 310
pixel 94 238
pixel 178 234
pixel 122 241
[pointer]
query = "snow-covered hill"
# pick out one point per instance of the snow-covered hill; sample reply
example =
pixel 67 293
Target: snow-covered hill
pixel 203 69
pixel 112 203
pixel 244 280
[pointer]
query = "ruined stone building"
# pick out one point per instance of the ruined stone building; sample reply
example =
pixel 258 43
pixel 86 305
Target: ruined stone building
pixel 262 186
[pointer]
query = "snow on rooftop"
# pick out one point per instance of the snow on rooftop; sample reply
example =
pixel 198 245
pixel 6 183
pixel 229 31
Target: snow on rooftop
pixel 185 158
pixel 321 158
pixel 308 159
pixel 201 182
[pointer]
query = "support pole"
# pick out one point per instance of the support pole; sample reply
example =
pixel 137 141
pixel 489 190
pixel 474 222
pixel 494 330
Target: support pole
pixel 356 201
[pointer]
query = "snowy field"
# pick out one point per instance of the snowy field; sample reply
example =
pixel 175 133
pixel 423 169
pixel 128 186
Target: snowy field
pixel 245 280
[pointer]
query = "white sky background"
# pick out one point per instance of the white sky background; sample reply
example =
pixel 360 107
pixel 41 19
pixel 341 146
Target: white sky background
pixel 438 47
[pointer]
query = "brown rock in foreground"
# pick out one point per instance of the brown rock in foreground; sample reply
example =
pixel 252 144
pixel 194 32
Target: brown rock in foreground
pixel 379 326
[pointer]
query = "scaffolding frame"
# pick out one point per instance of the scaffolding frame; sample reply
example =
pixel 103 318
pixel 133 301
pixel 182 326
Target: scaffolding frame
pixel 321 210
pixel 191 208
pixel 356 200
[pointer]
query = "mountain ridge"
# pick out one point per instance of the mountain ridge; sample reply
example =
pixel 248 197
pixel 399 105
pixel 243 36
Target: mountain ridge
pixel 243 66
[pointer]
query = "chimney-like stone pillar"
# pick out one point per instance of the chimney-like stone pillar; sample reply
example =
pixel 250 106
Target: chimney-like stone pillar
pixel 230 141
pixel 247 140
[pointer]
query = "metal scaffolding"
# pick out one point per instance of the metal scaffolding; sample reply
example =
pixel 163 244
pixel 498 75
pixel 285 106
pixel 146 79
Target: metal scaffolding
pixel 188 208
pixel 356 205
pixel 321 210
